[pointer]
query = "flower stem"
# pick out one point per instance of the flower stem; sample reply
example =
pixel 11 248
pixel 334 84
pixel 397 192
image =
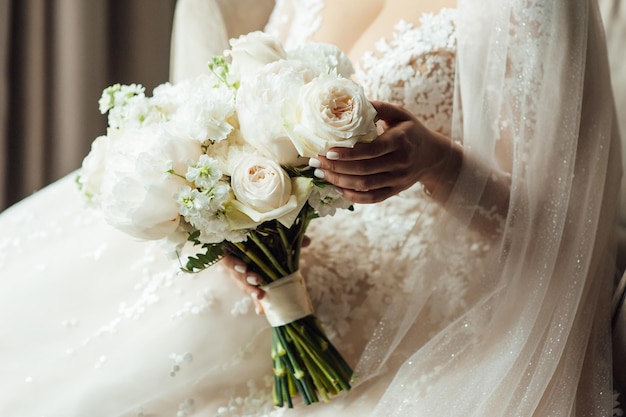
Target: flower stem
pixel 270 274
pixel 287 248
pixel 304 224
pixel 270 256
pixel 318 359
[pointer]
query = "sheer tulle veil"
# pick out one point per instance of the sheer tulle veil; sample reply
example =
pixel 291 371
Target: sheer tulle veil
pixel 533 96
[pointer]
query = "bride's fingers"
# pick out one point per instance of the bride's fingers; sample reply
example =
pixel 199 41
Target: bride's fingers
pixel 391 162
pixel 364 183
pixel 369 197
pixel 384 144
pixel 391 114
pixel 245 280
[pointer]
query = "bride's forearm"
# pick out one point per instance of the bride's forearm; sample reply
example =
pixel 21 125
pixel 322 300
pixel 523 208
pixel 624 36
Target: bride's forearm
pixel 489 209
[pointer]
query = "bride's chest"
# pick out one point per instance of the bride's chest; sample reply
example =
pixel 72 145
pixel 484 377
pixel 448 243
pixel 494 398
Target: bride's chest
pixel 356 25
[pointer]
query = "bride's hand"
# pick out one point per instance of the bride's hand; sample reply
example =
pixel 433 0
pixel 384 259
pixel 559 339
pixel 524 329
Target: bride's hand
pixel 248 281
pixel 404 153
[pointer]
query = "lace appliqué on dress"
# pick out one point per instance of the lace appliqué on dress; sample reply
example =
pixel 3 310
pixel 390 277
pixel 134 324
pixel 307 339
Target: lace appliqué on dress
pixel 415 69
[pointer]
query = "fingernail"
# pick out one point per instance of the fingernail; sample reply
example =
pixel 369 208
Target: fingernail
pixel 315 163
pixel 240 268
pixel 319 173
pixel 254 295
pixel 252 280
pixel 257 310
pixel 332 155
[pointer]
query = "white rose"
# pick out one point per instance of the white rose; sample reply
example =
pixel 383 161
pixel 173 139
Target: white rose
pixel 264 191
pixel 252 51
pixel 330 111
pixel 261 184
pixel 326 58
pixel 138 196
pixel 260 105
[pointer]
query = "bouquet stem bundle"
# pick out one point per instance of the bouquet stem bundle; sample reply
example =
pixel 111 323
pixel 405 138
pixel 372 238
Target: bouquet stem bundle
pixel 305 362
pixel 219 160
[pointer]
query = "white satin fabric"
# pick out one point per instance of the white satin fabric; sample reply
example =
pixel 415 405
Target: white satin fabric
pixel 515 322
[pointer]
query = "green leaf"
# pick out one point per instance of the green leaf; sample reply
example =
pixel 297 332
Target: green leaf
pixel 213 252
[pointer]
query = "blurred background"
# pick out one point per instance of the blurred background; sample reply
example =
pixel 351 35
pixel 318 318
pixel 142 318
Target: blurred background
pixel 56 57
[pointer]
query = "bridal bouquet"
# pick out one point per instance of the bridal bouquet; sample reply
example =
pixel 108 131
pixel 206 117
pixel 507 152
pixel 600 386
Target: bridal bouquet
pixel 218 163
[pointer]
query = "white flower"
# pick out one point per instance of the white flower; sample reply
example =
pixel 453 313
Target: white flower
pixel 252 51
pixel 331 111
pixel 94 164
pixel 229 152
pixel 173 244
pixel 261 101
pixel 128 107
pixel 325 58
pixel 117 95
pixel 221 194
pixel 136 195
pixel 167 98
pixel 192 202
pixel 216 229
pixel 136 111
pixel 207 112
pixel 326 200
pixel 204 173
pixel 205 211
pixel 264 191
pixel 261 184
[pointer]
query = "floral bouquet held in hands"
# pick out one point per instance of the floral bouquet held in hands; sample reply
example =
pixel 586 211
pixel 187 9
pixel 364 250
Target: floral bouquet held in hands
pixel 218 163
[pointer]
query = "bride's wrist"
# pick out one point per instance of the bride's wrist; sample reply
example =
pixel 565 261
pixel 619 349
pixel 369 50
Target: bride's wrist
pixel 442 173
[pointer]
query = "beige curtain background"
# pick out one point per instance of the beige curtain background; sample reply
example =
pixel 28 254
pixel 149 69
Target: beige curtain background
pixel 56 56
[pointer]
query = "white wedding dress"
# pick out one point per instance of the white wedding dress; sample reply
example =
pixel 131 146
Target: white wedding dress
pixel 97 324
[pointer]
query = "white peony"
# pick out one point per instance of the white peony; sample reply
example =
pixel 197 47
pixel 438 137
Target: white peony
pixel 252 51
pixel 138 196
pixel 264 191
pixel 261 101
pixel 207 113
pixel 94 164
pixel 168 97
pixel 326 58
pixel 329 112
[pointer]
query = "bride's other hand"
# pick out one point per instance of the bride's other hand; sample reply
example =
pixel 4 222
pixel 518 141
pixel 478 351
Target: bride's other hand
pixel 404 153
pixel 249 281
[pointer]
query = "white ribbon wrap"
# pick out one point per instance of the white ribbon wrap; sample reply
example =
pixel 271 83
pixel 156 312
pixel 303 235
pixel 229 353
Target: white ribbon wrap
pixel 286 300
